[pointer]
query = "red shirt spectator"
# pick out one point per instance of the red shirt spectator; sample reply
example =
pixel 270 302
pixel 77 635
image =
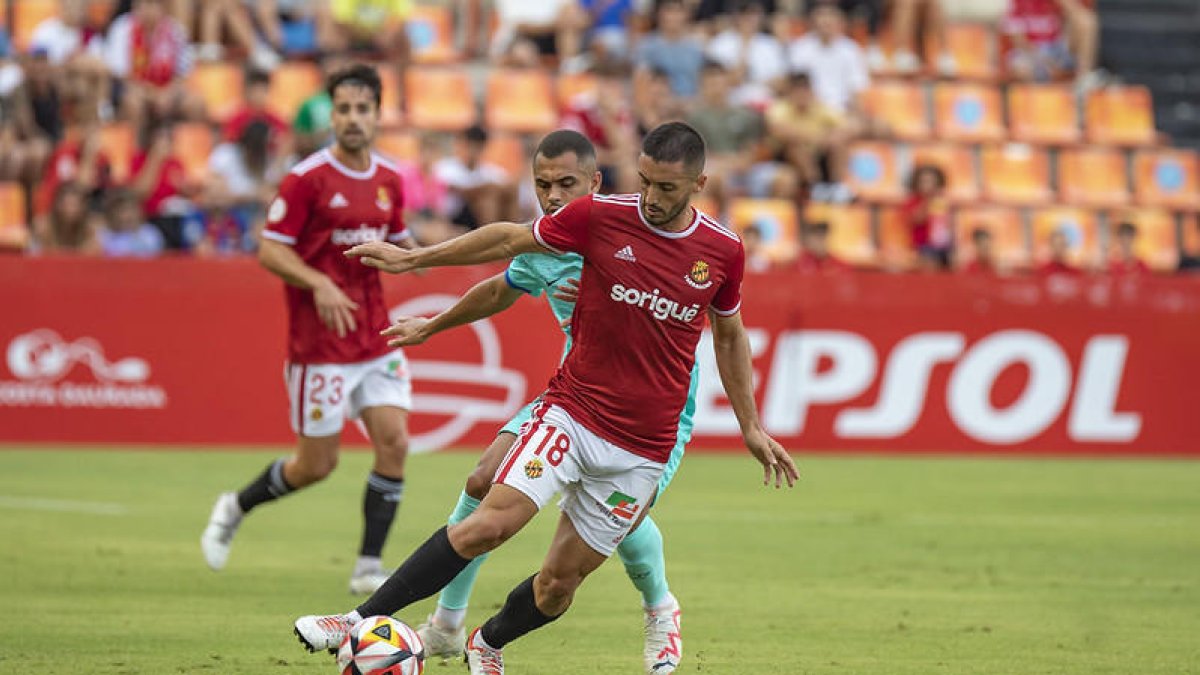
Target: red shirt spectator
pixel 1054 268
pixel 811 263
pixel 158 175
pixel 1128 268
pixel 148 46
pixel 927 213
pixel 257 94
pixel 79 159
pixel 1040 21
pixel 979 268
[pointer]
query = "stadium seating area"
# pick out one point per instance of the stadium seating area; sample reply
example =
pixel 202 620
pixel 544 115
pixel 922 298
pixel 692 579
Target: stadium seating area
pixel 1022 160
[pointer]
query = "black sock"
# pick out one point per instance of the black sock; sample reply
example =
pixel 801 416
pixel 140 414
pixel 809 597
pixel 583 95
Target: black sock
pixel 380 501
pixel 520 615
pixel 269 485
pixel 433 565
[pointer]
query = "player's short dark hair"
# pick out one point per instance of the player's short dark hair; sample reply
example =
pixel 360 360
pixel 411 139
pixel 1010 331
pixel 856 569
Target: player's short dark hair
pixel 1127 229
pixel 560 142
pixel 476 134
pixel 675 142
pixel 255 76
pixel 817 227
pixel 357 75
pixel 800 78
pixel 712 66
pixel 936 171
pixel 979 234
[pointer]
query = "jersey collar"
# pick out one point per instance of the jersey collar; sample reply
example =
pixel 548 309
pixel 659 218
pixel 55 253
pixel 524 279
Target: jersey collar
pixel 347 171
pixel 670 235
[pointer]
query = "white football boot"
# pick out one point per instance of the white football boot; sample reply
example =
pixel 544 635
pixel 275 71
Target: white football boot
pixel 366 583
pixel 323 632
pixel 481 660
pixel 664 644
pixel 222 525
pixel 442 642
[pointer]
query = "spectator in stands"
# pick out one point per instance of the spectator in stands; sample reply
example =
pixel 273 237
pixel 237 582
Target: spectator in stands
pixel 815 257
pixel 1058 264
pixel 1050 37
pixel 232 18
pixel 1189 262
pixel 480 192
pixel 78 159
pixel 927 212
pixel 653 100
pixel 24 146
pixel 43 91
pixel 1126 263
pixel 609 122
pixel 755 59
pixel 983 264
pixel 68 226
pixel 126 233
pixel 735 143
pixel 255 109
pixel 243 176
pixel 530 31
pixel 757 260
pixel 148 49
pixel 427 200
pixel 296 27
pixel 373 26
pixel 159 179
pixel 77 48
pixel 812 138
pixel 608 28
pixel 835 63
pixel 673 50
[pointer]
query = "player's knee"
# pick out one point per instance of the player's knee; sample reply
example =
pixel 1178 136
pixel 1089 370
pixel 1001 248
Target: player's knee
pixel 556 586
pixel 315 469
pixel 478 483
pixel 393 445
pixel 481 533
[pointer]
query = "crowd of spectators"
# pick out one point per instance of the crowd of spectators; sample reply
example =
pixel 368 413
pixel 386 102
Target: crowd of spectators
pixel 775 87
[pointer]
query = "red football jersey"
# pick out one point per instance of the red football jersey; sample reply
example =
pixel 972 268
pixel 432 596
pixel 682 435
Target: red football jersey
pixel 643 297
pixel 323 209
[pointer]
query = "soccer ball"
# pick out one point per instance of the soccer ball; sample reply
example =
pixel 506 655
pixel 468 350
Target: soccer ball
pixel 381 645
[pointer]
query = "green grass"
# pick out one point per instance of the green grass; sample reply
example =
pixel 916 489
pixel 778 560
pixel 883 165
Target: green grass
pixel 888 566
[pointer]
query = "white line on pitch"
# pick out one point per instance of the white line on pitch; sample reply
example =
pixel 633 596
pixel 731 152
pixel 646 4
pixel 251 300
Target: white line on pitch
pixel 62 505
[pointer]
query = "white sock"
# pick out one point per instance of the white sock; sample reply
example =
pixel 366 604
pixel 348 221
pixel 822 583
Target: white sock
pixel 452 619
pixel 668 602
pixel 354 616
pixel 481 643
pixel 367 564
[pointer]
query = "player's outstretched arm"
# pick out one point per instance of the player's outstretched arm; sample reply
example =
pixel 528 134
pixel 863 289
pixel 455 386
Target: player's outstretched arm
pixel 485 298
pixel 732 349
pixel 498 241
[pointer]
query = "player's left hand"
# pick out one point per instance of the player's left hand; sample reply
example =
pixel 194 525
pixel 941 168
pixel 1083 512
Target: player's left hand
pixel 407 331
pixel 773 457
pixel 568 292
pixel 383 256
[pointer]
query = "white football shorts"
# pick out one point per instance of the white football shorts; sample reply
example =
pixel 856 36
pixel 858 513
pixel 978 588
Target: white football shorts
pixel 604 487
pixel 324 395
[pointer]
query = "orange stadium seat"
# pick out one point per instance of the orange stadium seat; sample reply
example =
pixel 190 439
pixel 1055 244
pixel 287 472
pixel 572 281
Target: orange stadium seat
pixel 521 101
pixel 507 151
pixel 850 237
pixel 1080 227
pixel 1015 173
pixel 119 142
pixel 1008 233
pixel 1093 177
pixel 974 48
pixel 776 219
pixel 968 112
pixel 220 85
pixel 400 146
pixel 895 239
pixel 900 106
pixel 439 99
pixel 14 231
pixel 99 11
pixel 27 14
pixel 873 172
pixel 571 86
pixel 1043 114
pixel 390 108
pixel 1166 178
pixel 958 163
pixel 193 143
pixel 431 34
pixel 291 83
pixel 1191 234
pixel 1120 116
pixel 1156 242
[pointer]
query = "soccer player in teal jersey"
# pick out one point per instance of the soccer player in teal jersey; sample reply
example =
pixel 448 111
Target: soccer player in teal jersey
pixel 564 168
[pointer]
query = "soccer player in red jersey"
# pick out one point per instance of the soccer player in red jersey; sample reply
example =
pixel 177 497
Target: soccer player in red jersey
pixel 653 268
pixel 338 365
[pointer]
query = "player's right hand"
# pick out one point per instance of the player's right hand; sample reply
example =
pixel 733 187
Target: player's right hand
pixel 407 331
pixel 335 308
pixel 384 256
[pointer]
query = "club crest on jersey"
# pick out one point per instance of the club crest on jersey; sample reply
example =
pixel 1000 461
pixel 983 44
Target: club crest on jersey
pixel 534 468
pixel 382 200
pixel 698 276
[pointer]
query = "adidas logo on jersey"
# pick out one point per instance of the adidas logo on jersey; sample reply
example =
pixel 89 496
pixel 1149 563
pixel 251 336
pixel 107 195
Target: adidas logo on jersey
pixel 626 254
pixel 338 202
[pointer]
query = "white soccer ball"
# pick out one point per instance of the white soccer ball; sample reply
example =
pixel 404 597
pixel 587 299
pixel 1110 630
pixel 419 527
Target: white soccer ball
pixel 381 645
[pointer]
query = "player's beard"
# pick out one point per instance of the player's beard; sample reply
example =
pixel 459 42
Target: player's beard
pixel 669 217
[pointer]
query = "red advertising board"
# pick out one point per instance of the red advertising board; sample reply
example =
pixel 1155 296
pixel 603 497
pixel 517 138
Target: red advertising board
pixel 190 352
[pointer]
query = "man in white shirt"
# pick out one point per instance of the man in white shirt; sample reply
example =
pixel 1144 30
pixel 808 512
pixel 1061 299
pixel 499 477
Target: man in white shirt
pixel 835 63
pixel 755 59
pixel 479 192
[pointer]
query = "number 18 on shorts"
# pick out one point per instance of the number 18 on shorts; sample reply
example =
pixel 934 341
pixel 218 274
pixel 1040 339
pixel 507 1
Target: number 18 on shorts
pixel 604 487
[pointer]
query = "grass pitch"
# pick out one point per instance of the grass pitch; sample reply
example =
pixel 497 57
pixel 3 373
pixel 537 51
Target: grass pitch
pixel 870 566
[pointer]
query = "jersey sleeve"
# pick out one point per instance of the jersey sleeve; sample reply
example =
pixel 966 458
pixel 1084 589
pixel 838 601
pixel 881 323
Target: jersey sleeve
pixel 566 230
pixel 728 299
pixel 522 276
pixel 397 229
pixel 288 213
